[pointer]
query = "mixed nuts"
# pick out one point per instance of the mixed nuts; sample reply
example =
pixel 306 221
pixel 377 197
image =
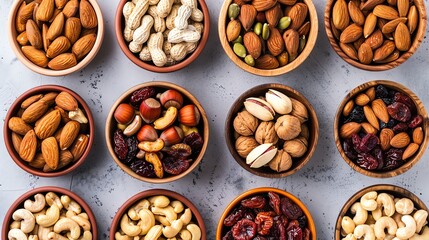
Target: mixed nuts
pixel 49 131
pixel 56 34
pixel 157 132
pixel 271 131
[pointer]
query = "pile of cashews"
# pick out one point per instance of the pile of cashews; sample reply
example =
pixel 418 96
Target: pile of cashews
pixel 158 218
pixel 50 217
pixel 382 216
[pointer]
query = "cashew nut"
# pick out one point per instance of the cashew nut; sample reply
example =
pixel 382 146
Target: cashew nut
pixel 147 221
pixel 33 237
pixel 43 232
pixel 377 213
pixel 27 219
pixel 397 218
pixel 50 218
pixel 70 204
pixel 360 214
pixel 15 225
pixel 177 206
pixel 16 234
pixel 382 224
pixel 128 227
pixel 421 219
pixel 409 229
pixel 348 225
pixel 87 235
pixel 159 201
pixel 119 236
pixel 423 236
pixel 66 224
pixel 37 205
pixel 69 214
pixel 365 231
pixel 78 116
pixel 133 211
pixel 52 198
pixel 168 212
pixel 349 237
pixel 195 231
pixel 82 222
pixel 404 206
pixel 173 230
pixel 186 216
pixel 386 201
pixel 154 233
pixel 370 220
pixel 163 220
pixel 56 236
pixel 368 201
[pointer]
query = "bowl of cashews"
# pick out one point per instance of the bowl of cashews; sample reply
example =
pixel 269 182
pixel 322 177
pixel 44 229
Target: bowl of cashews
pixel 158 214
pixel 49 213
pixel 383 212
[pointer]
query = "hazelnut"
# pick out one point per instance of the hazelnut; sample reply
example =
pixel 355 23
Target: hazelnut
pixel 266 133
pixel 245 123
pixel 244 145
pixel 288 127
pixel 299 110
pixel 281 162
pixel 305 132
pixel 296 148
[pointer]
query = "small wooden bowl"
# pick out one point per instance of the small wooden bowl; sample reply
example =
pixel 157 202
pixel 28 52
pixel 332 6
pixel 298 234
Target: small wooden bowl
pixel 419 36
pixel 312 122
pixel 119 30
pixel 196 216
pixel 12 34
pixel 386 188
pixel 220 231
pixel 223 16
pixel 188 97
pixel 7 133
pixel 420 109
pixel 19 203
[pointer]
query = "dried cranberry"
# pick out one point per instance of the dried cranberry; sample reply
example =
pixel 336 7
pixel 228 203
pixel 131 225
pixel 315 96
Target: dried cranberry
pixel 402 98
pixel 400 127
pixel 259 238
pixel 381 91
pixel 302 221
pixel 379 155
pixel 416 121
pixel 264 221
pixel 138 96
pixel 132 144
pixel 175 166
pixel 121 147
pixel 392 122
pixel 294 232
pixel 399 111
pixel 275 202
pixel 244 230
pixel 143 168
pixel 290 209
pixel 356 115
pixel 367 161
pixel 254 202
pixel 356 141
pixel 393 158
pixel 367 143
pixel 349 150
pixel 228 236
pixel 234 217
pixel 195 141
pixel 307 234
pixel 181 150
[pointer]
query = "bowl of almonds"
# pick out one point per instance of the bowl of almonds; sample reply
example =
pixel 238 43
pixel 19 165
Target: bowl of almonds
pixel 55 38
pixel 49 131
pixel 375 35
pixel 381 129
pixel 272 130
pixel 162 35
pixel 268 38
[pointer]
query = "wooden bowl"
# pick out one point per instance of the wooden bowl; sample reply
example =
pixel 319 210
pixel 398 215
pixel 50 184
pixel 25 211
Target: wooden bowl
pixel 19 203
pixel 396 191
pixel 220 231
pixel 196 216
pixel 260 90
pixel 311 41
pixel 420 109
pixel 12 34
pixel 119 29
pixel 418 38
pixel 188 97
pixel 14 108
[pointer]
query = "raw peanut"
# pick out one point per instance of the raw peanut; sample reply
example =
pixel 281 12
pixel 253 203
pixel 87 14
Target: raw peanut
pixel 136 15
pixel 183 14
pixel 159 22
pixel 190 34
pixel 163 7
pixel 169 21
pixel 155 44
pixel 141 34
pixel 178 51
pixel 145 54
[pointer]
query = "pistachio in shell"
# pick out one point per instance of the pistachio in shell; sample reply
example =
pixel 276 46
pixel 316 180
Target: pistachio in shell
pixel 259 108
pixel 279 101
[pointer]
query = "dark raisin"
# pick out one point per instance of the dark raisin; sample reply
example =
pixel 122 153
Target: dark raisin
pixel 175 166
pixel 392 122
pixel 367 143
pixel 138 96
pixel 264 222
pixel 132 144
pixel 356 141
pixel 416 121
pixel 244 230
pixel 290 209
pixel 254 202
pixel 388 101
pixel 302 221
pixel 248 214
pixel 275 202
pixel 259 238
pixel 294 232
pixel 306 234
pixel 234 217
pixel 356 115
pixel 381 91
pixel 143 168
pixel 121 148
pixel 393 158
pixel 399 111
pixel 181 150
pixel 367 161
pixel 281 223
pixel 195 141
pixel 400 127
pixel 379 155
pixel 349 150
pixel 228 236
pixel 402 98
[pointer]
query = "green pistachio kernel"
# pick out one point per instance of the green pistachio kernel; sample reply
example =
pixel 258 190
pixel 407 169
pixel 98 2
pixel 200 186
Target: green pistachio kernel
pixel 302 42
pixel 238 40
pixel 249 60
pixel 240 50
pixel 266 31
pixel 233 11
pixel 284 23
pixel 258 28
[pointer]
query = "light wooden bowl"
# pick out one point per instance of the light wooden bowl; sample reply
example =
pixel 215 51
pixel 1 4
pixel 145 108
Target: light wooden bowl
pixel 220 231
pixel 203 126
pixel 420 109
pixel 312 122
pixel 12 34
pixel 416 41
pixel 223 16
pixel 390 189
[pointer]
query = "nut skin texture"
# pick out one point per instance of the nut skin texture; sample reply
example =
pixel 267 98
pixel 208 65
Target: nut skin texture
pixel 288 127
pixel 281 162
pixel 245 123
pixel 266 133
pixel 244 145
pixel 295 148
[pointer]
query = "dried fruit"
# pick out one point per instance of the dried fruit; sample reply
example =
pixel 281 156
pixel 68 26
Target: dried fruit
pixel 399 111
pixel 244 230
pixel 290 209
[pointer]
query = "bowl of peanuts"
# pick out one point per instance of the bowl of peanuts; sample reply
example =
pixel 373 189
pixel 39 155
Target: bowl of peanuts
pixel 162 35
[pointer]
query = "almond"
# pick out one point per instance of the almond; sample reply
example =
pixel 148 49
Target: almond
pixel 58 46
pixel 386 136
pixel 45 39
pixel 275 42
pixel 79 146
pixel 247 16
pixel 50 152
pixel 410 151
pixel 369 26
pixel 66 157
pixel 375 40
pixel 298 14
pixel 28 147
pixel 36 56
pixel 348 108
pixel 22 38
pixel 34 112
pixel 233 30
pixel 33 34
pixel 64 115
pixel 57 134
pixel 365 53
pixel 291 39
pixel 370 4
pixel 45 10
pixel 69 134
pixel 351 33
pixel 56 27
pixel 418 135
pixel 87 14
pixel 71 8
pixel 348 129
pixel 384 51
pixel 17 125
pixel 349 50
pixel 371 93
pixel 392 57
pixel 20 27
pixel 60 3
pixel 63 61
pixel 392 2
pixel 335 32
pixel 403 6
pixel 380 23
pixel 400 140
pixel 362 99
pixel 253 44
pixel 267 61
pixel 49 98
pixel 30 100
pixel 26 13
pixel 356 14
pixel 87 31
pixel 49 123
pixel 413 19
pixel 380 110
pixel 56 12
pixel 66 101
pixel 38 161
pixel 402 37
pixel 370 117
pixel 287 2
pixel 368 128
pixel 304 29
pixel 390 26
pixel 385 12
pixel 72 29
pixel 262 5
pixel 16 141
pixel 273 15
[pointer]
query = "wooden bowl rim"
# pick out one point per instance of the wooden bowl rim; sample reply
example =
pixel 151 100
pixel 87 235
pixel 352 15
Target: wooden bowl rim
pixel 261 190
pixel 46 71
pixel 15 107
pixel 399 191
pixel 269 72
pixel 46 189
pixel 153 192
pixel 412 161
pixel 420 34
pixel 288 91
pixel 166 69
pixel 166 85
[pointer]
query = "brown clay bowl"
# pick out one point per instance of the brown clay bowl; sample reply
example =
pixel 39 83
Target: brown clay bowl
pixel 119 29
pixel 221 231
pixel 420 110
pixel 311 41
pixel 203 127
pixel 12 34
pixel 196 216
pixel 312 122
pixel 397 192
pixel 19 203
pixel 415 41
pixel 15 108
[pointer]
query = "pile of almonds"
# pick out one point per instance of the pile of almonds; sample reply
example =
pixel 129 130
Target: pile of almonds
pixel 268 34
pixel 49 131
pixel 268 124
pixel 374 31
pixel 56 34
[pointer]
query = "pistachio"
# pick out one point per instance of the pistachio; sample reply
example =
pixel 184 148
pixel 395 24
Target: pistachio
pixel 261 155
pixel 134 126
pixel 281 162
pixel 240 50
pixel 239 39
pixel 265 31
pixel 266 133
pixel 284 23
pixel 259 108
pixel 302 42
pixel 249 60
pixel 283 58
pixel 279 101
pixel 233 11
pixel 245 123
pixel 258 28
pixel 288 127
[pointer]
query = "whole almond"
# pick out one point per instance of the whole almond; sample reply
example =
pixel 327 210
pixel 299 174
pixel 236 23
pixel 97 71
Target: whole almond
pixel 275 42
pixel 45 40
pixel 72 29
pixel 370 116
pixel 402 37
pixel 380 110
pixel 17 125
pixel 390 26
pixel 335 32
pixel 50 152
pixel 26 13
pixel 56 28
pixel 57 134
pixel 375 40
pixel 370 4
pixel 418 135
pixel 71 8
pixel 28 147
pixel 45 10
pixel 348 129
pixel 253 44
pixel 385 12
pixel 386 136
pixel 365 53
pixel 56 13
pixel 413 19
pixel 403 6
pixel 20 27
pixel 33 34
pixel 349 50
pixel 30 100
pixel 79 146
pixel 49 98
pixel 16 141
pixel 267 61
pixel 69 134
pixel 340 15
pixel 86 31
pixel 34 112
pixel 38 161
pixel 304 29
pixel 66 157
pixel 380 23
pixel 22 38
pixel 362 99
pixel 233 30
pixel 291 39
pixel 60 3
pixel 63 61
pixel 384 51
pixel 348 108
pixel 369 26
pixel 84 45
pixel 262 5
pixel 410 151
pixel 287 2
pixel 400 140
pixel 87 14
pixel 48 124
pixel 298 14
pixel 368 128
pixel 66 101
pixel 370 93
pixel 58 46
pixel 358 42
pixel 351 33
pixel 64 115
pixel 274 14
pixel 392 57
pixel 356 14
pixel 247 16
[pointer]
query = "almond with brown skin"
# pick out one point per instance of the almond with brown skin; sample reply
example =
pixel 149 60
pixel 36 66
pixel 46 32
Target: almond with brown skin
pixel 233 30
pixel 64 115
pixel 400 140
pixel 66 101
pixel 275 42
pixel 370 4
pixel 262 5
pixel 418 135
pixel 17 125
pixel 402 37
pixel 71 8
pixel 267 61
pixel 385 12
pixel 349 50
pixel 28 147
pixel 27 102
pixel 274 14
pixel 375 40
pixel 22 39
pixel 413 19
pixel 298 14
pixel 87 14
pixel 26 13
pixel 45 10
pixel 392 57
pixel 45 39
pixel 335 32
pixel 356 14
pixel 380 23
pixel 348 108
pixel 72 29
pixel 36 56
pixel 16 141
pixel 58 46
pixel 340 15
pixel 63 61
pixel 20 27
pixel 358 42
pixel 247 16
pixel 56 12
pixel 365 53
pixel 351 33
pixel 38 161
pixel 348 129
pixel 392 2
pixel 84 45
pixel 287 2
pixel 69 134
pixel 410 151
pixel 390 26
pixel 369 26
pixel 56 28
pixel 403 6
pixel 49 98
pixel 370 117
pixel 50 152
pixel 384 51
pixel 253 44
pixel 380 110
pixel 33 34
pixel 66 157
pixel 34 112
pixel 368 128
pixel 304 29
pixel 386 135
pixel 86 31
pixel 362 99
pixel 48 124
pixel 291 38
pixel 60 3
pixel 79 146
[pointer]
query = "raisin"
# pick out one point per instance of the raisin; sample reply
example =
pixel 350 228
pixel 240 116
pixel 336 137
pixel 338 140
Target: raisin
pixel 290 209
pixel 264 222
pixel 381 91
pixel 306 234
pixel 349 150
pixel 228 236
pixel 393 159
pixel 416 121
pixel 121 148
pixel 132 144
pixel 356 141
pixel 356 115
pixel 402 98
pixel 143 168
pixel 392 122
pixel 400 127
pixel 175 166
pixel 254 202
pixel 281 223
pixel 244 230
pixel 367 161
pixel 181 150
pixel 259 238
pixel 294 232
pixel 248 214
pixel 367 143
pixel 388 101
pixel 379 155
pixel 138 96
pixel 399 111
pixel 195 141
pixel 275 202
pixel 302 221
pixel 234 217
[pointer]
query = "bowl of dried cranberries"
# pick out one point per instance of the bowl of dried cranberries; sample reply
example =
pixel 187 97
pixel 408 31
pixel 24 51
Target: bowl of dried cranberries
pixel 157 132
pixel 381 129
pixel 266 213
